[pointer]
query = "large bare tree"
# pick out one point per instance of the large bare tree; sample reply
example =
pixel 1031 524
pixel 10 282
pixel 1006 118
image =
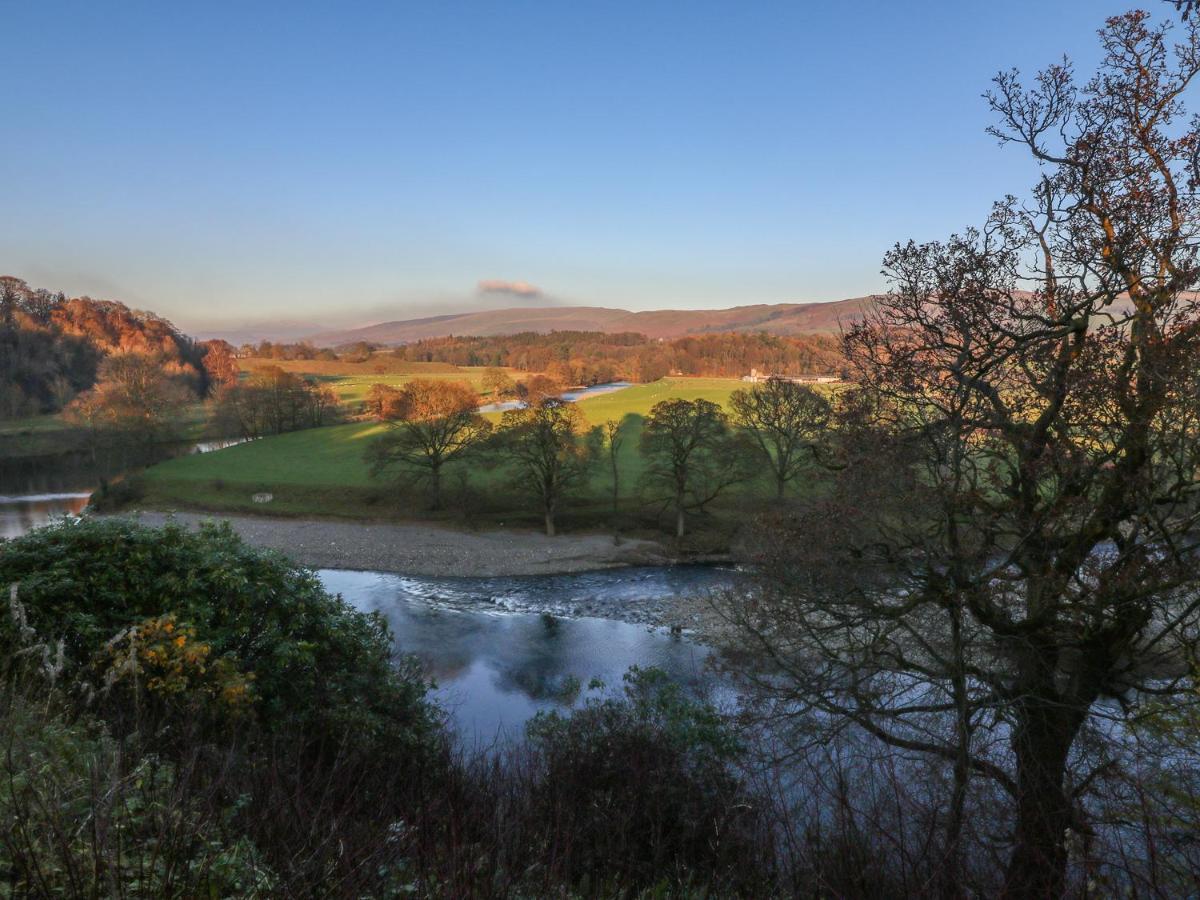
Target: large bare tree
pixel 433 422
pixel 691 456
pixel 786 420
pixel 546 443
pixel 1011 538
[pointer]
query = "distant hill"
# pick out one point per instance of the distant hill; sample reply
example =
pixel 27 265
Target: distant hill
pixel 776 318
pixel 255 332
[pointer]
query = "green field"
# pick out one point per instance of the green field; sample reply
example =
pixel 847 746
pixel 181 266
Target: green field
pixel 321 471
pixel 352 381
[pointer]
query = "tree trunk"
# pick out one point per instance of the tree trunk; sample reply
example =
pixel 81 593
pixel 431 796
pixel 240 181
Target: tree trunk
pixel 616 485
pixel 1046 729
pixel 679 517
pixel 550 523
pixel 435 477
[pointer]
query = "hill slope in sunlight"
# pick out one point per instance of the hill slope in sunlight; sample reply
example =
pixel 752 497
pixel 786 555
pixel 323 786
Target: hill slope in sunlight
pixel 776 318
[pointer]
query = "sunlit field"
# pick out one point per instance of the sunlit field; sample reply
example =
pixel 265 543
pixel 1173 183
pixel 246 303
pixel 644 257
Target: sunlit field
pixel 322 471
pixel 352 380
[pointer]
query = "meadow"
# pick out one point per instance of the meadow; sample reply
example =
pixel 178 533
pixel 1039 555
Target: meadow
pixel 352 380
pixel 322 472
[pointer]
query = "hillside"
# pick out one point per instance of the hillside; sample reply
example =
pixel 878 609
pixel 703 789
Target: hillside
pixel 51 347
pixel 778 318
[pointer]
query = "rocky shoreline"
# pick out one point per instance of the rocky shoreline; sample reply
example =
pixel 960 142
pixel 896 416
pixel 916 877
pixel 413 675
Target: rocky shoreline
pixel 424 549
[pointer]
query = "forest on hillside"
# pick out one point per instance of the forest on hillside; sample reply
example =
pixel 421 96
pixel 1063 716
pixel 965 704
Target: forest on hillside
pixel 52 348
pixel 592 357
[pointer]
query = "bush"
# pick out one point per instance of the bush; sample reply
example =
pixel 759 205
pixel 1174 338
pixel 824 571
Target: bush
pixel 640 791
pixel 80 817
pixel 313 662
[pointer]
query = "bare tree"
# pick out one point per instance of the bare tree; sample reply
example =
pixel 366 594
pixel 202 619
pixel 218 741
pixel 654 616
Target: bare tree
pixel 536 388
pixel 546 443
pixel 691 455
pixel 1012 537
pixel 135 406
pixel 435 423
pixel 613 440
pixel 1186 7
pixel 786 420
pixel 498 383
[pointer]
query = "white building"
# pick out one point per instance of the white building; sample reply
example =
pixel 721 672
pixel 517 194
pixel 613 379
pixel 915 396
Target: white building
pixel 756 377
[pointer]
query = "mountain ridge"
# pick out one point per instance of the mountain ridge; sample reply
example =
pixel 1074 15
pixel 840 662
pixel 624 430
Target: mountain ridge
pixel 826 317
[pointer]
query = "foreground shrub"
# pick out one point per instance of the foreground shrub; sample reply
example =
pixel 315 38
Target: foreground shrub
pixel 182 715
pixel 307 658
pixel 80 816
pixel 640 791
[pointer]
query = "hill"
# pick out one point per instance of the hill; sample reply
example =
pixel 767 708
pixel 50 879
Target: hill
pixel 776 318
pixel 51 346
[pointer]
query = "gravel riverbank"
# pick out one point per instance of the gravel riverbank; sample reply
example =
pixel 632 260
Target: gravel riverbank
pixel 420 549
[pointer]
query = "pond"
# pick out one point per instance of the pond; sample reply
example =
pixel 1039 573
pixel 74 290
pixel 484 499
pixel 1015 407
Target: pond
pixel 496 668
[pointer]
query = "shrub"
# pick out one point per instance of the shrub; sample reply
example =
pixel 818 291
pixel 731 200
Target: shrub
pixel 641 791
pixel 315 662
pixel 81 817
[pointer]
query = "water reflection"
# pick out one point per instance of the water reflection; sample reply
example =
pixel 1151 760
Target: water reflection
pixel 496 670
pixel 21 514
pixel 34 490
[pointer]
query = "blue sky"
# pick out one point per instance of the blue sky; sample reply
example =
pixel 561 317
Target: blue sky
pixel 343 162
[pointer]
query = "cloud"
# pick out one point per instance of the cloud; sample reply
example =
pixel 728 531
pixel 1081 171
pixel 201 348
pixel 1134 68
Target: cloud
pixel 513 288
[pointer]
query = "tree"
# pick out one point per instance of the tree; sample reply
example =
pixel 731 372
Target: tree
pixel 1012 537
pixel 691 455
pixel 435 422
pixel 786 420
pixel 382 401
pixel 544 441
pixel 498 383
pixel 535 389
pixel 272 401
pixel 613 440
pixel 134 404
pixel 219 362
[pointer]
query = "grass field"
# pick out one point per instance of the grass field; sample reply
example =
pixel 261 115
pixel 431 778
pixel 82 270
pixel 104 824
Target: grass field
pixel 351 381
pixel 322 472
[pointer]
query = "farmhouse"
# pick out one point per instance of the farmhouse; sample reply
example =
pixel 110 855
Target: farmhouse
pixel 755 377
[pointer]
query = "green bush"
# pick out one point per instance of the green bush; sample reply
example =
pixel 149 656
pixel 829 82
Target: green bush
pixel 641 791
pixel 311 661
pixel 79 817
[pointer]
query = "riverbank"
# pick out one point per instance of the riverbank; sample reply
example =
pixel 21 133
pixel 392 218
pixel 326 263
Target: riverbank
pixel 426 549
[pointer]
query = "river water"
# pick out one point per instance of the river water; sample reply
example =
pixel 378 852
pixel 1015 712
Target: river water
pixel 497 663
pixel 35 490
pixel 499 649
pixel 594 390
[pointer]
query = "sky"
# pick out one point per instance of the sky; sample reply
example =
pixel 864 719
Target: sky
pixel 341 163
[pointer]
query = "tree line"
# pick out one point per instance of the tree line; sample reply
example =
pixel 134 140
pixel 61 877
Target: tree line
pixel 595 358
pixel 693 450
pixel 591 357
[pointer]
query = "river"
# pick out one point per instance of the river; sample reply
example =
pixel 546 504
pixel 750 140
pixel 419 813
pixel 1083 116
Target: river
pixel 572 396
pixel 34 490
pixel 499 649
pixel 495 667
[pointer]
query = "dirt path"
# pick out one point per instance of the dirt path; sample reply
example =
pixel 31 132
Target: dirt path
pixel 415 549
